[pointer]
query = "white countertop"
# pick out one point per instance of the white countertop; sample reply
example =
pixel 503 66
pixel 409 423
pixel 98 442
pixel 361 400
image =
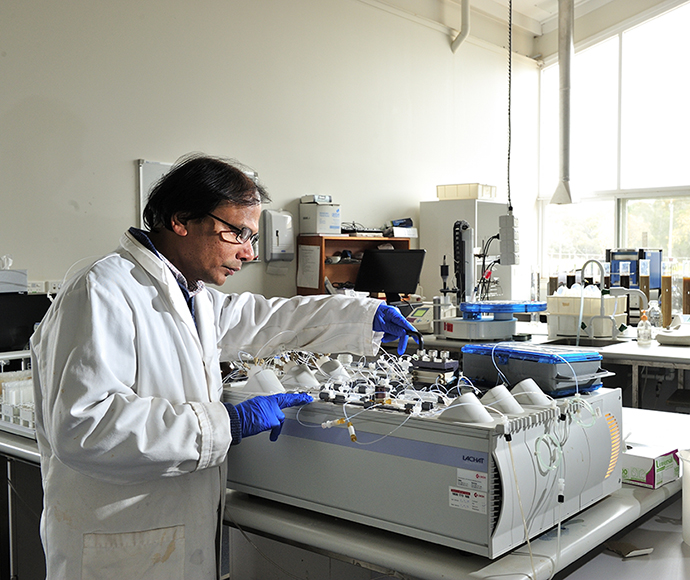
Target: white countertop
pixel 348 541
pixel 384 550
pixel 630 350
pixel 626 349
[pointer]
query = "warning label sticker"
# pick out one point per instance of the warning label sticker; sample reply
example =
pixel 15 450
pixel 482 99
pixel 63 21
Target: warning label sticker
pixel 474 501
pixel 472 480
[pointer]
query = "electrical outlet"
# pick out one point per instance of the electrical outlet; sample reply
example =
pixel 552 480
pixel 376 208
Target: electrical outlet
pixel 53 286
pixel 36 287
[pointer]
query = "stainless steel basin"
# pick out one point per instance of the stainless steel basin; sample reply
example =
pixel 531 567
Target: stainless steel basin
pixel 584 341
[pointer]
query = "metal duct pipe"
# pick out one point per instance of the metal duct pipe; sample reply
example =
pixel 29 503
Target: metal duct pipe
pixel 462 35
pixel 566 25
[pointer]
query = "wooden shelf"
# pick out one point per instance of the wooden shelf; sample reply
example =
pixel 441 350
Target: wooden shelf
pixel 341 273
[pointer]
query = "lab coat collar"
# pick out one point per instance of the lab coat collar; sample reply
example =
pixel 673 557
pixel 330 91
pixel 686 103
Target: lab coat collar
pixel 157 268
pixel 190 289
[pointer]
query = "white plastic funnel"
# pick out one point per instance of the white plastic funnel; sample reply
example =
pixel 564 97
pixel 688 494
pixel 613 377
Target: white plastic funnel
pixel 467 409
pixel 499 398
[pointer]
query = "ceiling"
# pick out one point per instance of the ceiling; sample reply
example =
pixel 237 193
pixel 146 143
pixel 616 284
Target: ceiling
pixel 542 10
pixel 539 10
pixel 537 16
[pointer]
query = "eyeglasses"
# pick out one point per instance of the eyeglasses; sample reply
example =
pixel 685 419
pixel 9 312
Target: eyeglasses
pixel 236 235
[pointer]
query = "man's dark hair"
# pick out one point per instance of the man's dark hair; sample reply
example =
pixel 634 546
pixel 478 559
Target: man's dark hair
pixel 197 185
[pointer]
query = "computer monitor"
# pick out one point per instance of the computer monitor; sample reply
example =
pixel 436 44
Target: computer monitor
pixel 19 313
pixel 392 272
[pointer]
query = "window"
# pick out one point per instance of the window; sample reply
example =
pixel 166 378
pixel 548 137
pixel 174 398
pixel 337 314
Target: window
pixel 594 112
pixel 573 237
pixel 662 222
pixel 630 146
pixel 655 123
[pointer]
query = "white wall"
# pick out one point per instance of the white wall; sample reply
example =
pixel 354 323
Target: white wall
pixel 322 96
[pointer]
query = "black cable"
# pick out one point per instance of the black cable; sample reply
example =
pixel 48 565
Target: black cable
pixel 485 252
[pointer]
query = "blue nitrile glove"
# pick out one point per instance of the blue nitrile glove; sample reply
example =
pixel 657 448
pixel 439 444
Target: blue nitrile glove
pixel 394 326
pixel 264 412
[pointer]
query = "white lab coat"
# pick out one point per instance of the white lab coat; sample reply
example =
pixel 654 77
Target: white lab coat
pixel 132 435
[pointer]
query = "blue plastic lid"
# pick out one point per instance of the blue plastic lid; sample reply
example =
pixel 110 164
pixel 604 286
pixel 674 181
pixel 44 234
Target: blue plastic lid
pixel 502 306
pixel 542 353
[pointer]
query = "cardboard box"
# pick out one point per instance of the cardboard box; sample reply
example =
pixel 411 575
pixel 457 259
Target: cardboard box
pixel 319 218
pixel 316 198
pixel 648 466
pixel 397 232
pixel 466 191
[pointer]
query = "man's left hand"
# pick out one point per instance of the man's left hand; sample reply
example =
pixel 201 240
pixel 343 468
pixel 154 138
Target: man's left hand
pixel 394 326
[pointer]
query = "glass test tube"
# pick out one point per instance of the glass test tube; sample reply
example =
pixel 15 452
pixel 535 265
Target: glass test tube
pixel 666 293
pixel 553 284
pixel 607 274
pixel 677 287
pixel 624 274
pixel 686 287
pixel 643 281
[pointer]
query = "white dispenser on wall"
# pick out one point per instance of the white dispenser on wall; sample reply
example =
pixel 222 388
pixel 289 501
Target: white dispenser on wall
pixel 278 235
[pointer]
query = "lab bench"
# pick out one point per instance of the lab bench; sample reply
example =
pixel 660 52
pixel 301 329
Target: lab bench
pixel 364 546
pixel 625 352
pixel 629 353
pixel 583 535
pixel 21 491
pixel 21 502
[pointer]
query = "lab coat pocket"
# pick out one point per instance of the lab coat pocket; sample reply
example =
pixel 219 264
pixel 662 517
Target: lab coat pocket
pixel 150 555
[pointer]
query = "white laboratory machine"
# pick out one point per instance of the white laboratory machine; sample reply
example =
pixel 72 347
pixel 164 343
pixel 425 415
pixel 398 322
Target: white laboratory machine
pixel 490 320
pixel 436 221
pixel 478 475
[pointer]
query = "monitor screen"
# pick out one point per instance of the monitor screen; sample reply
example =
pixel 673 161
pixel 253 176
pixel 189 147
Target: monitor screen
pixel 390 271
pixel 19 313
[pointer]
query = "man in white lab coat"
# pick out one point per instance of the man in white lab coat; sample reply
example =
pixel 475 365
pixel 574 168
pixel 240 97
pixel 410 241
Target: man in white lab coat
pixel 130 425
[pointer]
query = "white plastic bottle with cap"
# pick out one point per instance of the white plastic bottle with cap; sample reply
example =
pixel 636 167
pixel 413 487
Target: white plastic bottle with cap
pixel 644 331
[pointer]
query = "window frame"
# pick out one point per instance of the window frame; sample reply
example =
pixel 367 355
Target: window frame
pixel 619 196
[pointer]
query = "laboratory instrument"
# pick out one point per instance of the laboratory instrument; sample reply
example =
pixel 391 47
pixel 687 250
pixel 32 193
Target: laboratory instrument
pixel 481 319
pixel 489 320
pixel 436 227
pixel 476 472
pixel 557 370
pixel 17 410
pixel 634 269
pixel 426 316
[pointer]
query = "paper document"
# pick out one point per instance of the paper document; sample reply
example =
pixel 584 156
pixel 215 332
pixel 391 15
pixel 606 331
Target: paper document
pixel 308 264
